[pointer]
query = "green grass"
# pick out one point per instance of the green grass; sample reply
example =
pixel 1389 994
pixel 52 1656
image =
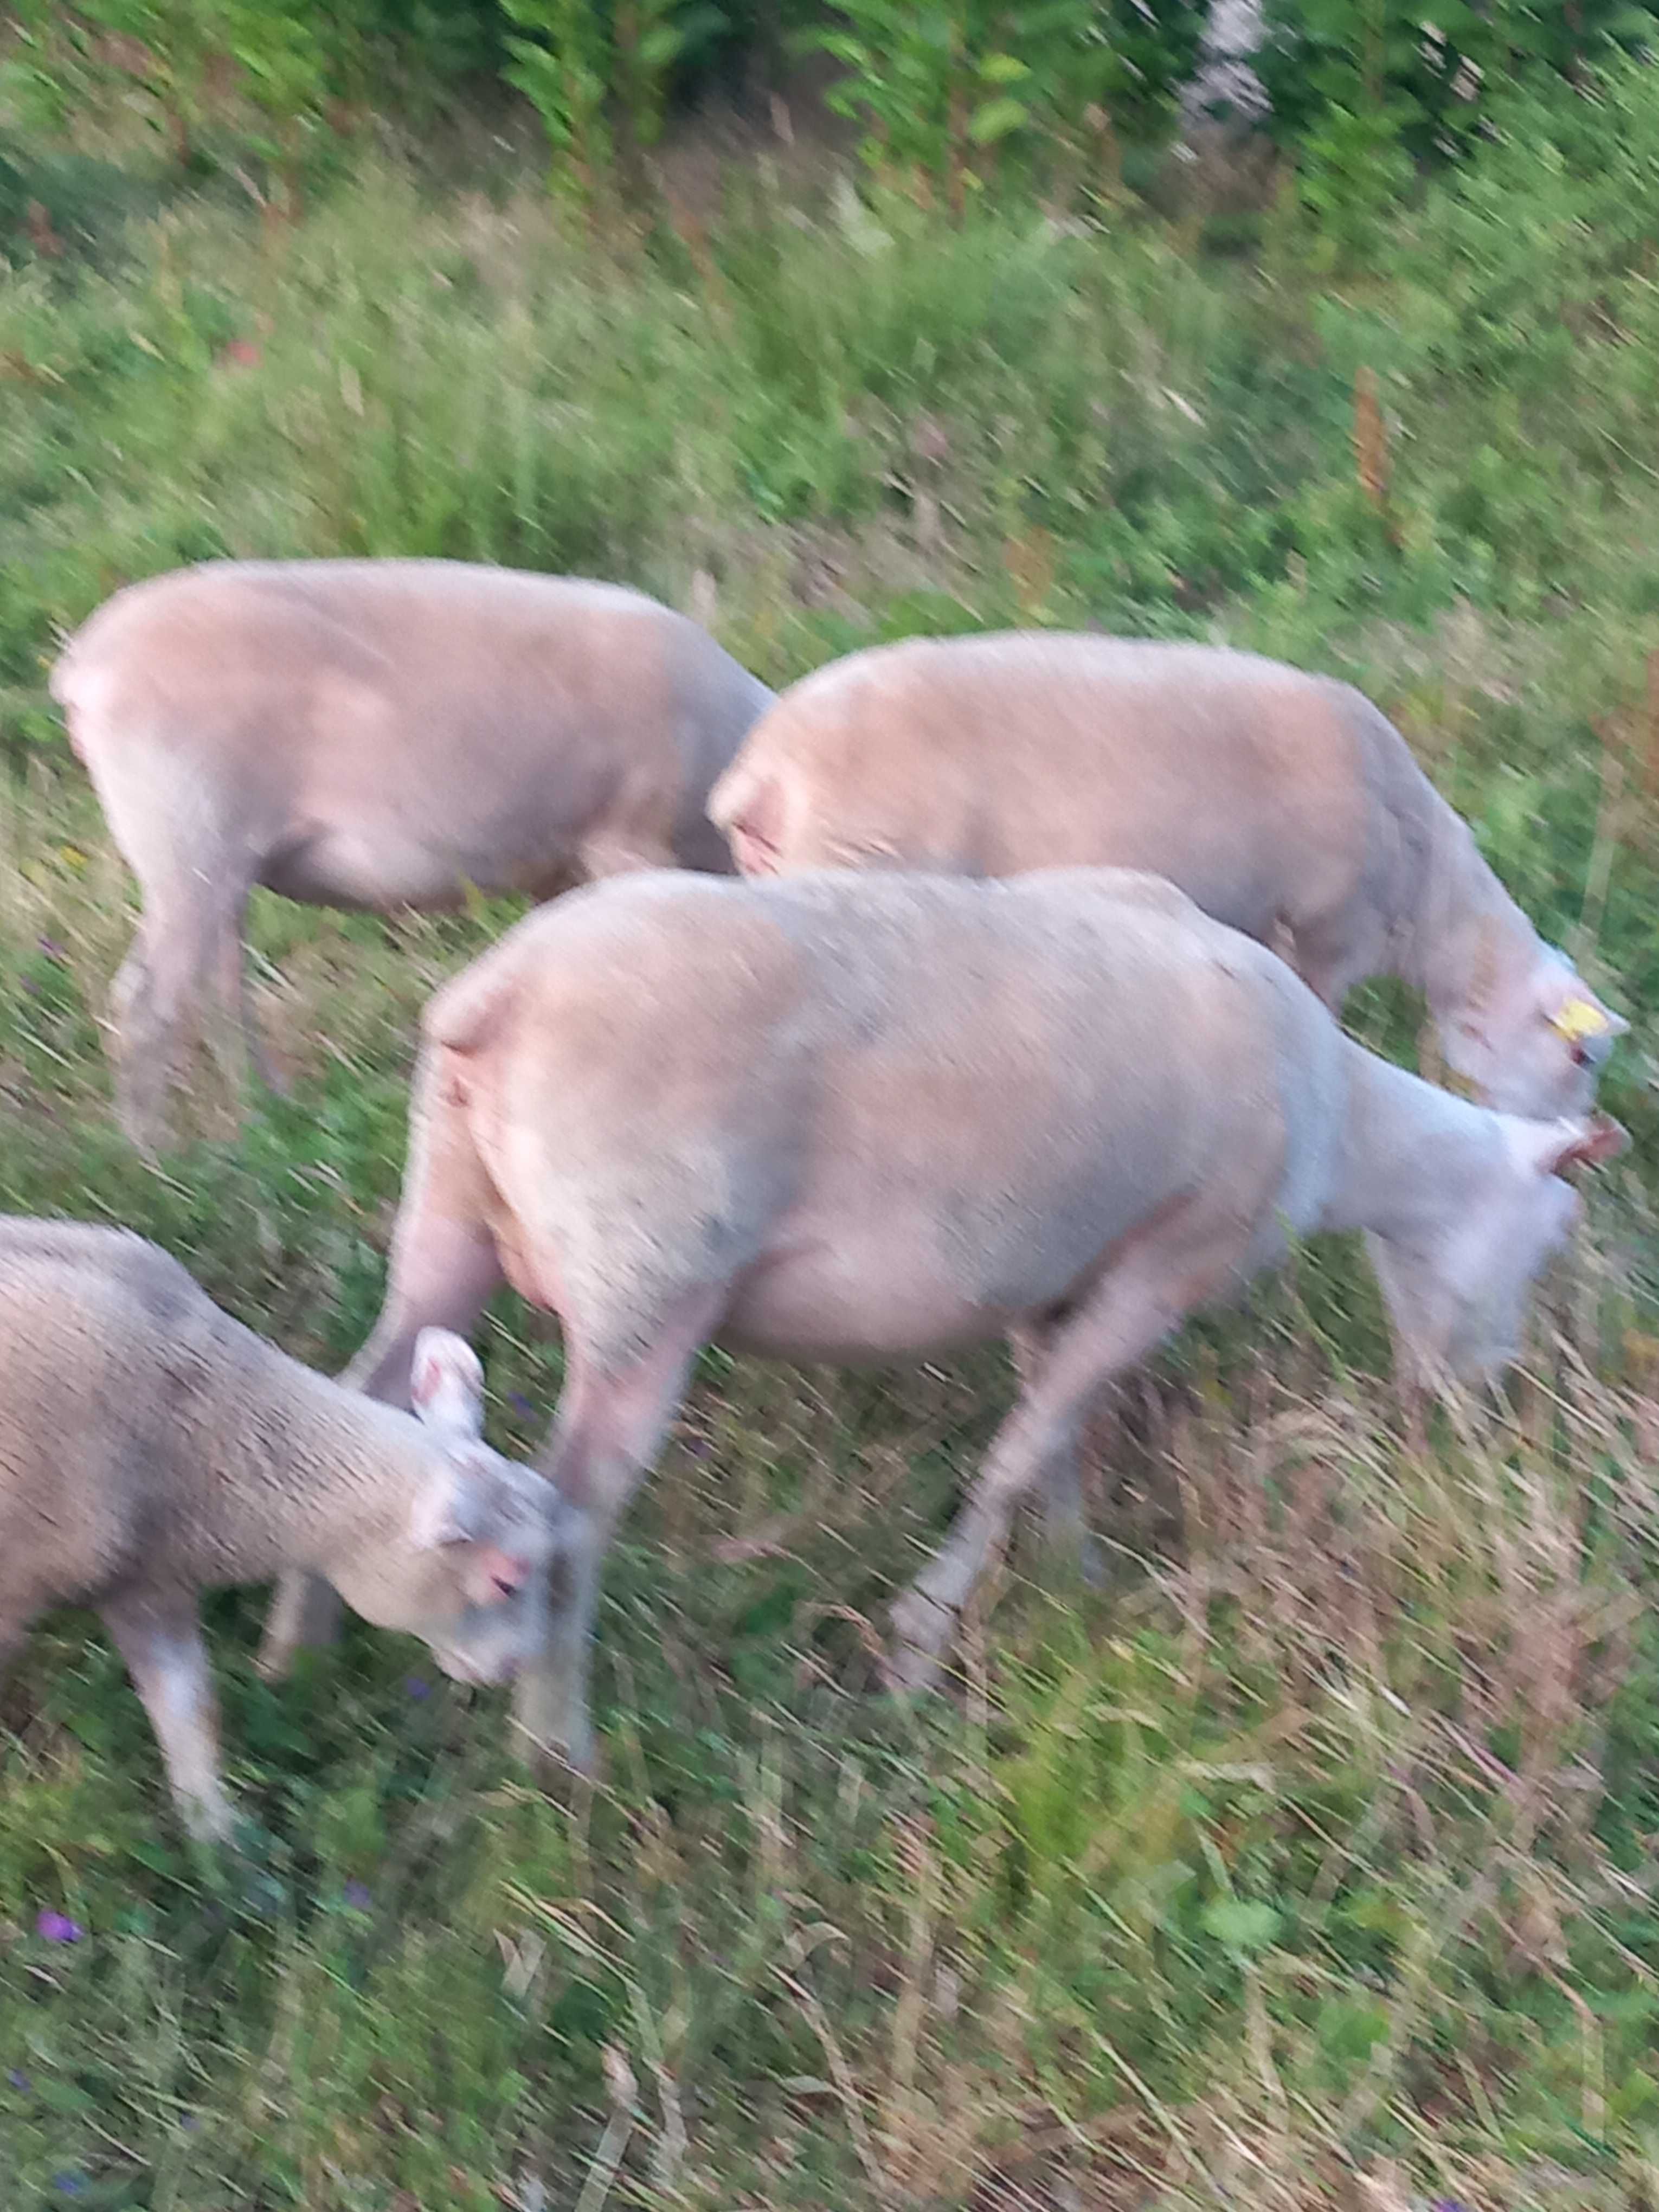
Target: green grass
pixel 1308 1865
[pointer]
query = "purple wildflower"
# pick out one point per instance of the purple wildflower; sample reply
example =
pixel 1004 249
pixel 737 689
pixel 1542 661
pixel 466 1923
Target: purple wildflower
pixel 190 2124
pixel 357 1896
pixel 521 1404
pixel 69 2185
pixel 19 2080
pixel 416 1687
pixel 58 1928
pixel 51 947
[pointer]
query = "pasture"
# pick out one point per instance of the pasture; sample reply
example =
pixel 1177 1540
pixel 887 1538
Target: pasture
pixel 1309 1863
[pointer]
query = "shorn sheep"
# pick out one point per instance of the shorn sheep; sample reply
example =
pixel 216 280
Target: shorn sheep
pixel 379 734
pixel 152 1447
pixel 1284 804
pixel 834 1116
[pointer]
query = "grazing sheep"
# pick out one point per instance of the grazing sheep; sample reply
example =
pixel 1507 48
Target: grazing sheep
pixel 1284 804
pixel 844 1117
pixel 376 734
pixel 151 1448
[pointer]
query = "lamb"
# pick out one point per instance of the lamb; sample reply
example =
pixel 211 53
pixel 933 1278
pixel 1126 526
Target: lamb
pixel 151 1447
pixel 1284 803
pixel 829 1116
pixel 377 734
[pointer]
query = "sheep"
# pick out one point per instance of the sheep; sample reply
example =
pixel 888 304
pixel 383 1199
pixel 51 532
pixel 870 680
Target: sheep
pixel 151 1447
pixel 834 1116
pixel 379 734
pixel 1284 803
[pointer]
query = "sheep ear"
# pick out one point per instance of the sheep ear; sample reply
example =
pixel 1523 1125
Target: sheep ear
pixel 1553 1148
pixel 1594 1141
pixel 1569 1006
pixel 749 812
pixel 446 1383
pixel 445 1512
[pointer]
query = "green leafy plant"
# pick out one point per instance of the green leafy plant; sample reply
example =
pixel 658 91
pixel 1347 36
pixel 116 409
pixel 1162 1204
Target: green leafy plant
pixel 940 88
pixel 1125 58
pixel 898 85
pixel 240 69
pixel 1368 93
pixel 178 52
pixel 284 68
pixel 580 65
pixel 653 38
pixel 561 63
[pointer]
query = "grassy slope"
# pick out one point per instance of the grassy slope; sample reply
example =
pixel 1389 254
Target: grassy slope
pixel 1318 1846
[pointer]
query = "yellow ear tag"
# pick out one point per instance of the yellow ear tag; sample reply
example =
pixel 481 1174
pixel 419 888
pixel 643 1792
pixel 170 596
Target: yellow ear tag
pixel 1579 1018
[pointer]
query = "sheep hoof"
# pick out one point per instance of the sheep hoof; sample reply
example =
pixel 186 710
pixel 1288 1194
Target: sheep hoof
pixel 922 1628
pixel 304 1615
pixel 209 1822
pixel 1078 1556
pixel 561 1780
pixel 143 1122
pixel 561 1763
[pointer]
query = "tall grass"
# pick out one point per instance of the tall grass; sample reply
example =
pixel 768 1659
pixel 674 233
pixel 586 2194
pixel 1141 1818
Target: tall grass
pixel 1308 1864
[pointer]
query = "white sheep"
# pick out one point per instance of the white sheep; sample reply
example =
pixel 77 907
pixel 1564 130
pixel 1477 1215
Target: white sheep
pixel 1284 803
pixel 377 734
pixel 151 1447
pixel 833 1116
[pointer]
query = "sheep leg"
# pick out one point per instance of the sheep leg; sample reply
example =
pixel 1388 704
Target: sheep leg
pixel 443 1275
pixel 305 1614
pixel 1159 1276
pixel 160 1640
pixel 237 1043
pixel 453 1274
pixel 444 1267
pixel 1335 952
pixel 1064 1525
pixel 609 1426
pixel 443 1272
pixel 140 1049
pixel 156 1001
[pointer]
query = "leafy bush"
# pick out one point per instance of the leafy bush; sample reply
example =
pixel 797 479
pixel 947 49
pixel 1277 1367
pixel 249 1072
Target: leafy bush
pixel 578 64
pixel 560 64
pixel 201 71
pixel 226 79
pixel 1367 90
pixel 939 87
